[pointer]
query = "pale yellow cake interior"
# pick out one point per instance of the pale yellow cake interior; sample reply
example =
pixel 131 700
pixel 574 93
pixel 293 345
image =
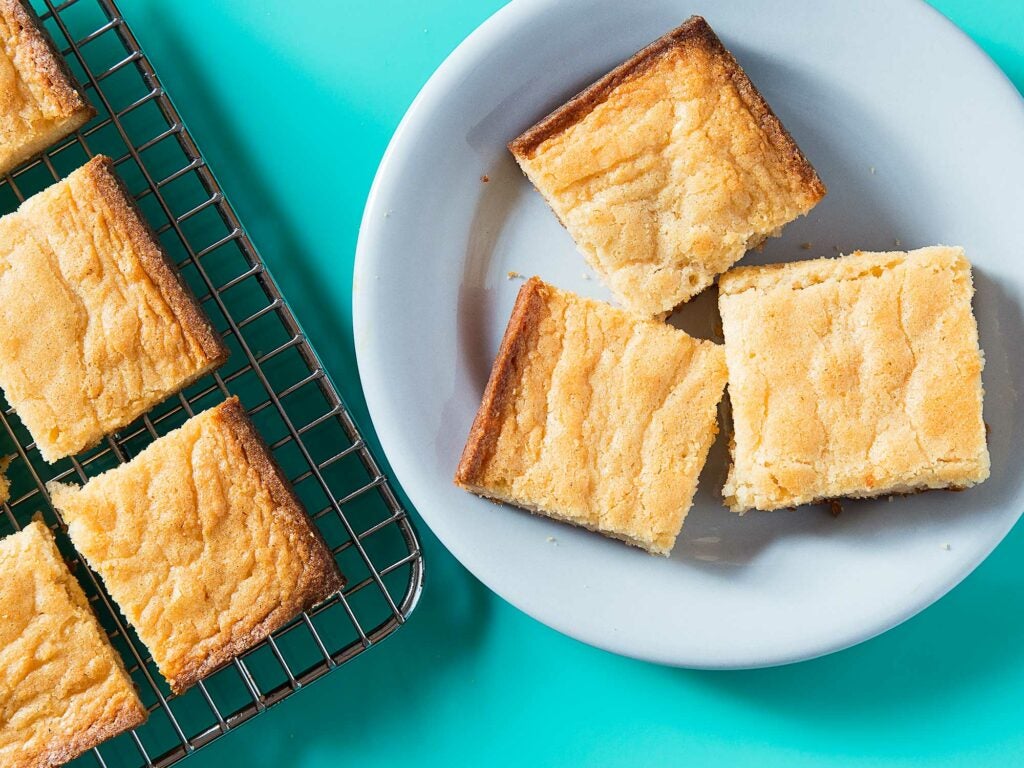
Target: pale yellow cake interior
pixel 200 546
pixel 669 181
pixel 608 420
pixel 94 330
pixel 855 376
pixel 62 687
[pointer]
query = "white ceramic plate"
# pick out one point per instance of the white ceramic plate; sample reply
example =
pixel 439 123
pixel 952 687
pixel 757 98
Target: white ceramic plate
pixel 920 139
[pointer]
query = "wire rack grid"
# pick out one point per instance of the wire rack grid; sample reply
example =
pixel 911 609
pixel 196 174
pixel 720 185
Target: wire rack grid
pixel 272 369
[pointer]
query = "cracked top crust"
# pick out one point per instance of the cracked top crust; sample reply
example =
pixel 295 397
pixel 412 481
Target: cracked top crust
pixel 201 542
pixel 856 376
pixel 595 418
pixel 113 330
pixel 63 689
pixel 668 169
pixel 40 103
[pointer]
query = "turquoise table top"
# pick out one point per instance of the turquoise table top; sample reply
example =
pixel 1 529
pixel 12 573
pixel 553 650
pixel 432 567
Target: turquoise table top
pixel 293 103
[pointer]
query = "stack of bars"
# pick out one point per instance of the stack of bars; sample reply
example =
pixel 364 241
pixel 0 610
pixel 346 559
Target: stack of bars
pixel 855 376
pixel 199 539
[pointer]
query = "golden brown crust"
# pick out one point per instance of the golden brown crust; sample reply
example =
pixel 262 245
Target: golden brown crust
pixel 323 577
pixel 115 330
pixel 128 717
pixel 594 418
pixel 80 643
pixel 47 63
pixel 666 171
pixel 40 102
pixel 327 579
pixel 193 673
pixel 202 542
pixel 769 123
pixel 695 31
pixel 483 435
pixel 155 261
pixel 857 376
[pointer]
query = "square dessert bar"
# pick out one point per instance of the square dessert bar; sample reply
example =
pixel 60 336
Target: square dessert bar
pixel 40 103
pixel 668 169
pixel 95 326
pixel 63 689
pixel 595 418
pixel 855 376
pixel 201 542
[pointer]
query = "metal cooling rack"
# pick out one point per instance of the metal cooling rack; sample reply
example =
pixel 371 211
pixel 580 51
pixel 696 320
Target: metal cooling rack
pixel 272 369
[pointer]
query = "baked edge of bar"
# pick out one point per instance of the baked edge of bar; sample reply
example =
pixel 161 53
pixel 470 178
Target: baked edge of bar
pixel 47 59
pixel 100 170
pixel 326 578
pixel 483 435
pixel 846 267
pixel 127 717
pixel 696 31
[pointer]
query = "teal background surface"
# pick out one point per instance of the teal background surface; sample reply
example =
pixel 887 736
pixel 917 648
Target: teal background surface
pixel 293 104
